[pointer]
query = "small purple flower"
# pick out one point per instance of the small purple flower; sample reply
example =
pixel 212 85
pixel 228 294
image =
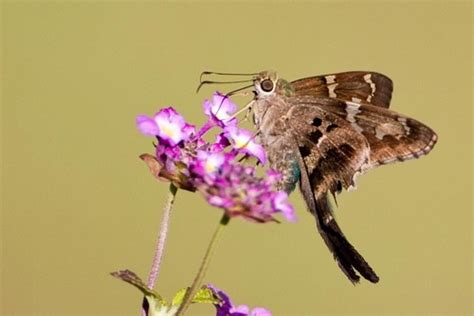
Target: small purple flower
pixel 227 308
pixel 243 140
pixel 176 146
pixel 220 110
pixel 208 162
pixel 167 125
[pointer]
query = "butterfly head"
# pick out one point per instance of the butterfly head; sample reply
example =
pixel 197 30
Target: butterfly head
pixel 267 83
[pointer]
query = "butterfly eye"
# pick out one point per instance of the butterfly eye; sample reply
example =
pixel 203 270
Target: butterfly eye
pixel 266 85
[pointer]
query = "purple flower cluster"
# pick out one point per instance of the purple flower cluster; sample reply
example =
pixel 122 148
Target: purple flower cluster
pixel 183 157
pixel 227 308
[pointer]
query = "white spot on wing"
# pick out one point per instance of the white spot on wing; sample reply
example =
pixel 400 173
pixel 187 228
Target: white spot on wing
pixel 330 79
pixel 331 88
pixel 368 79
pixel 379 133
pixel 383 129
pixel 352 109
pixel 403 121
pixel 363 169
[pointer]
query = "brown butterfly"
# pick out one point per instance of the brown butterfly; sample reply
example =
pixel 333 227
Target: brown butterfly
pixel 322 132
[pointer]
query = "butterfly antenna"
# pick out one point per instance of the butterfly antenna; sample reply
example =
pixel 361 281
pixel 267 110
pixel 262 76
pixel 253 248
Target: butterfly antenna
pixel 204 73
pixel 220 82
pixel 231 93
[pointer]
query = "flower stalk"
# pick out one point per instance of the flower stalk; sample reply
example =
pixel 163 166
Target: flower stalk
pixel 204 266
pixel 160 244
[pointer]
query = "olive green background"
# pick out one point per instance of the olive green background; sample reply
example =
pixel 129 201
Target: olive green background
pixel 77 203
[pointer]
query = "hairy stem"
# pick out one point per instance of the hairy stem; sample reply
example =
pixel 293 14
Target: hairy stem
pixel 160 245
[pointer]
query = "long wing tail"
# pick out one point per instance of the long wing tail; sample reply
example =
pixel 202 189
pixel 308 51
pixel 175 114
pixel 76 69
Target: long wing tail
pixel 348 258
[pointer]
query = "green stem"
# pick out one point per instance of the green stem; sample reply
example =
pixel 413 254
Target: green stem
pixel 203 268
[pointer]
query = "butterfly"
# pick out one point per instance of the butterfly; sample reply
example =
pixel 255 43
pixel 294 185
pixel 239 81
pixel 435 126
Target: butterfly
pixel 322 132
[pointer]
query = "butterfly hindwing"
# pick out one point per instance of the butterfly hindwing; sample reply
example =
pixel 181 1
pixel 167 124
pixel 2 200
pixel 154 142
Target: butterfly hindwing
pixel 328 162
pixel 332 151
pixel 356 86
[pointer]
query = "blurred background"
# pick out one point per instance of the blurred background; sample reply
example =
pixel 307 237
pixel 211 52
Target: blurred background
pixel 77 203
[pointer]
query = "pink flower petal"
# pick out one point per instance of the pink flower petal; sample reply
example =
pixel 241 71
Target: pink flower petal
pixel 256 150
pixel 146 125
pixel 171 126
pixel 280 202
pixel 260 311
pixel 220 109
pixel 210 162
pixel 243 141
pixel 243 309
pixel 189 130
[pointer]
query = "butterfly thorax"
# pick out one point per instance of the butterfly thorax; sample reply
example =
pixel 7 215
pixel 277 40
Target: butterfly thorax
pixel 270 110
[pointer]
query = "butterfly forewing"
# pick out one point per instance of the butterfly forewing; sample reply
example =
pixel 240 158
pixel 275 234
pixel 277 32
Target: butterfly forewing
pixel 356 86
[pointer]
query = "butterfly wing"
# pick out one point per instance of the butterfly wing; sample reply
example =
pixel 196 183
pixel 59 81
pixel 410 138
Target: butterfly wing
pixel 329 153
pixel 391 136
pixel 356 86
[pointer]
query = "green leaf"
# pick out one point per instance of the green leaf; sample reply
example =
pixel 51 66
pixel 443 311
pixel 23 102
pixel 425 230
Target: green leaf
pixel 178 297
pixel 131 278
pixel 204 295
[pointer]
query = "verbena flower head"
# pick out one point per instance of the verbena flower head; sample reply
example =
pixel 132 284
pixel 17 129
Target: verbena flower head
pixel 183 157
pixel 227 308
